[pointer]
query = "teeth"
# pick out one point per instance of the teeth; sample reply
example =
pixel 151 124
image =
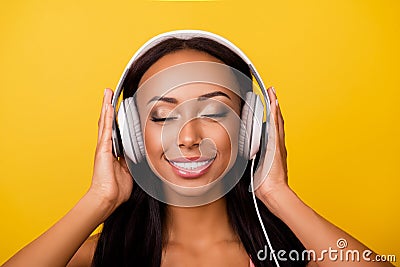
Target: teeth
pixel 190 165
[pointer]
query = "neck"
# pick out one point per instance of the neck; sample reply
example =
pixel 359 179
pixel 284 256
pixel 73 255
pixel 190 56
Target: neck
pixel 207 223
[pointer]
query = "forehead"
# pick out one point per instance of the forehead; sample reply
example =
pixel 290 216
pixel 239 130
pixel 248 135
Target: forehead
pixel 187 73
pixel 178 57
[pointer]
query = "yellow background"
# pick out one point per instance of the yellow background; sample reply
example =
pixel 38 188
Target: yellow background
pixel 334 64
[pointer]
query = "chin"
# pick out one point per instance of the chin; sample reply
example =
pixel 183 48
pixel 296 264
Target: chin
pixel 185 195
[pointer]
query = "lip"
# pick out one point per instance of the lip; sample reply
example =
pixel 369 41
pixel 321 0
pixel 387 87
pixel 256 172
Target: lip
pixel 191 167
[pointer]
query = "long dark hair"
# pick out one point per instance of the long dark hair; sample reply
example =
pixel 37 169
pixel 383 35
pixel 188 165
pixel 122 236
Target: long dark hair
pixel 133 235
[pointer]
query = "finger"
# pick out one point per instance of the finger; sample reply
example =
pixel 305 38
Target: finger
pixel 123 164
pixel 105 139
pixel 123 176
pixel 278 121
pixel 106 99
pixel 274 114
pixel 281 123
pixel 101 118
pixel 281 130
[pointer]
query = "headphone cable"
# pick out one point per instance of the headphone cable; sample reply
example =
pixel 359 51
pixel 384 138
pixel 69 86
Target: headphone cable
pixel 259 216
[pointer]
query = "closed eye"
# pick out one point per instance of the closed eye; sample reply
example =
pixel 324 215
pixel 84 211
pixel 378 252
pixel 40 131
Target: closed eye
pixel 215 115
pixel 155 119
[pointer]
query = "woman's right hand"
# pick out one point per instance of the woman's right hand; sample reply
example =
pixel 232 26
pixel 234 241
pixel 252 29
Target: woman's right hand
pixel 111 181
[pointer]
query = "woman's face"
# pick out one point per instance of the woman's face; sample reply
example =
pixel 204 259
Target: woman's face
pixel 191 131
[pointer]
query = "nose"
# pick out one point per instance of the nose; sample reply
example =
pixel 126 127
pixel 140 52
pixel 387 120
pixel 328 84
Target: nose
pixel 190 135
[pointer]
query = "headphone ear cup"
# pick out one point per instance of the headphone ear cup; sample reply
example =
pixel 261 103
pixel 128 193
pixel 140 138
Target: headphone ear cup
pixel 256 132
pixel 246 126
pixel 131 133
pixel 251 126
pixel 137 130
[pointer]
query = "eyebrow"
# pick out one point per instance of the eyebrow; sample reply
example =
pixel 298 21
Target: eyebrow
pixel 164 99
pixel 200 98
pixel 212 94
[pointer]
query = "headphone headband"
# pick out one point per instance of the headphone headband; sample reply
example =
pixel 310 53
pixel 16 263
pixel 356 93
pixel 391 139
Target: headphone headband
pixel 185 34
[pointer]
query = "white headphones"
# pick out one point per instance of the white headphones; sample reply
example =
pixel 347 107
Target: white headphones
pixel 251 130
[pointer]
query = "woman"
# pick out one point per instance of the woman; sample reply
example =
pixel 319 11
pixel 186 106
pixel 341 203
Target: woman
pixel 139 230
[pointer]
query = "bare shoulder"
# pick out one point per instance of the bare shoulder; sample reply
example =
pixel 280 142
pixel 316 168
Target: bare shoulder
pixel 84 256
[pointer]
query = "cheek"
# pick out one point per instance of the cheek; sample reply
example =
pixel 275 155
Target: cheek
pixel 152 141
pixel 226 138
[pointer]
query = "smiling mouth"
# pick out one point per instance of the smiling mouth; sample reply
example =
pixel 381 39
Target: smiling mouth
pixel 187 168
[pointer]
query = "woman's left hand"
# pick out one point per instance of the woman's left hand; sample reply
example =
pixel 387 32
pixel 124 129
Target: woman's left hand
pixel 277 178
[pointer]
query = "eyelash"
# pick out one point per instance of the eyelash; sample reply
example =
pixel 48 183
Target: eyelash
pixel 164 119
pixel 155 119
pixel 217 115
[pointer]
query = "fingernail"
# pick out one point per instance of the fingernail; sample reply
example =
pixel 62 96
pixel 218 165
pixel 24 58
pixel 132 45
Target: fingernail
pixel 276 102
pixel 273 90
pixel 105 91
pixel 107 106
